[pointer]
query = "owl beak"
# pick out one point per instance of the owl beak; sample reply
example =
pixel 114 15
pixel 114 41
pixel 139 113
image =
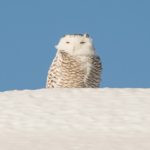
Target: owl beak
pixel 73 48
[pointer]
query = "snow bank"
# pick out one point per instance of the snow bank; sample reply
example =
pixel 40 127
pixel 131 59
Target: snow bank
pixel 75 119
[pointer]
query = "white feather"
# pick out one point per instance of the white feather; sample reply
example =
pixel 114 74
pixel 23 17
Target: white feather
pixel 76 45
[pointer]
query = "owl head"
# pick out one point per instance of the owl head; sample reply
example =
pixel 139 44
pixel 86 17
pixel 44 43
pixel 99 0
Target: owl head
pixel 76 44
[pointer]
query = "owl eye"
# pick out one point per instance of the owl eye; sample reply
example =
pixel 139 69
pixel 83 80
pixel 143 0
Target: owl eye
pixel 67 42
pixel 82 42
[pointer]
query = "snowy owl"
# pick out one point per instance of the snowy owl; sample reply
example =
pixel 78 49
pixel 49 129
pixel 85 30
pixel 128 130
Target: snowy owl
pixel 76 64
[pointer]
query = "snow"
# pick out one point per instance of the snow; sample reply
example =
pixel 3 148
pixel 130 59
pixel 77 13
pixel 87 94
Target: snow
pixel 75 119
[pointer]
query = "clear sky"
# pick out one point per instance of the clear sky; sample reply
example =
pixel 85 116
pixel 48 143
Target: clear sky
pixel 29 30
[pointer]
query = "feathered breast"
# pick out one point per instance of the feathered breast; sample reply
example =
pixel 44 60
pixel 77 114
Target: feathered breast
pixel 69 71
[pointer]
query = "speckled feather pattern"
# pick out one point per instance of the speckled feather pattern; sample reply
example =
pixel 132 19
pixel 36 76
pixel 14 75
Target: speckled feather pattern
pixel 68 71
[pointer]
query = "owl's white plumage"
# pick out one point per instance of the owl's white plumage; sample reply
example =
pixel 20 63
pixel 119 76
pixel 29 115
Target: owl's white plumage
pixel 76 64
pixel 76 45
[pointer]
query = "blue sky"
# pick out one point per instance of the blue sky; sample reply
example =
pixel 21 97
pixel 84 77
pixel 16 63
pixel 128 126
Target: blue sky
pixel 29 30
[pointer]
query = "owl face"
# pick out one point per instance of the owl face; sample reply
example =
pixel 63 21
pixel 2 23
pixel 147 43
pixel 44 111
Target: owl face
pixel 76 44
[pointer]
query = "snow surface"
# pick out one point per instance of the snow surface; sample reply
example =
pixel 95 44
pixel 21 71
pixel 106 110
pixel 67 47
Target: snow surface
pixel 75 119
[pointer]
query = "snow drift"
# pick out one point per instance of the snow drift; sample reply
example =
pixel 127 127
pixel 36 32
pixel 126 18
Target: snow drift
pixel 75 119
